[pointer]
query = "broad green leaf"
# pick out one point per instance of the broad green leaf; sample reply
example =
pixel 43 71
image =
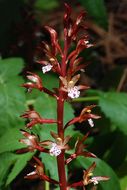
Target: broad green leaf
pixel 102 169
pixel 6 160
pixel 96 9
pixel 11 95
pixel 21 161
pixel 50 81
pixel 46 4
pixel 10 140
pixel 123 183
pixel 50 165
pixel 114 106
pixel 12 103
pixel 9 68
pixel 14 162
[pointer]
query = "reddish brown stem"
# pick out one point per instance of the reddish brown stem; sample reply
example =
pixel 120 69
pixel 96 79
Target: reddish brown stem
pixel 60 125
pixel 60 158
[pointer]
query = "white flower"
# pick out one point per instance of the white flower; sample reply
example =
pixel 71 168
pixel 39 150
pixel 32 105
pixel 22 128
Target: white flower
pixel 73 92
pixel 88 44
pixel 94 180
pixel 91 123
pixel 31 173
pixel 46 68
pixel 55 150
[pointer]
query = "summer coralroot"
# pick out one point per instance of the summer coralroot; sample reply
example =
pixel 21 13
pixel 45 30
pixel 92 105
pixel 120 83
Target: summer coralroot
pixel 67 65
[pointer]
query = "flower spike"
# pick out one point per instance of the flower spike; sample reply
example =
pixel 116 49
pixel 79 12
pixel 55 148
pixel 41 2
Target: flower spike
pixel 67 65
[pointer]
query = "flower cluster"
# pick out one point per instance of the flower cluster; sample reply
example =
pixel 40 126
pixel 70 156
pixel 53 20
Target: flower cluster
pixel 85 115
pixel 69 86
pixel 88 177
pixel 67 65
pixel 57 146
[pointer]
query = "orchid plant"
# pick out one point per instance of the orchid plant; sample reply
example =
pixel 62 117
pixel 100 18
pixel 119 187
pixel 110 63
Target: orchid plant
pixel 67 65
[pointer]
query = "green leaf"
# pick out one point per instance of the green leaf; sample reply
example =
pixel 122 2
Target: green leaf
pixel 102 169
pixel 123 183
pixel 97 9
pixel 10 140
pixel 50 165
pixel 12 103
pixel 46 4
pixel 50 81
pixel 114 106
pixel 6 160
pixel 12 165
pixel 9 68
pixel 11 95
pixel 21 161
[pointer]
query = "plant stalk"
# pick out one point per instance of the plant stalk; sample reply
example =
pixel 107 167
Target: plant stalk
pixel 47 185
pixel 60 158
pixel 60 124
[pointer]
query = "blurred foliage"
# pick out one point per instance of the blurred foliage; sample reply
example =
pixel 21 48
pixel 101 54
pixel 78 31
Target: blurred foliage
pixel 97 10
pixel 44 5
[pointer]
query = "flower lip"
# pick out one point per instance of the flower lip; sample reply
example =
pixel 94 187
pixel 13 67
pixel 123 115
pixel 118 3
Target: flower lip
pixel 46 68
pixel 91 123
pixel 55 150
pixel 73 92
